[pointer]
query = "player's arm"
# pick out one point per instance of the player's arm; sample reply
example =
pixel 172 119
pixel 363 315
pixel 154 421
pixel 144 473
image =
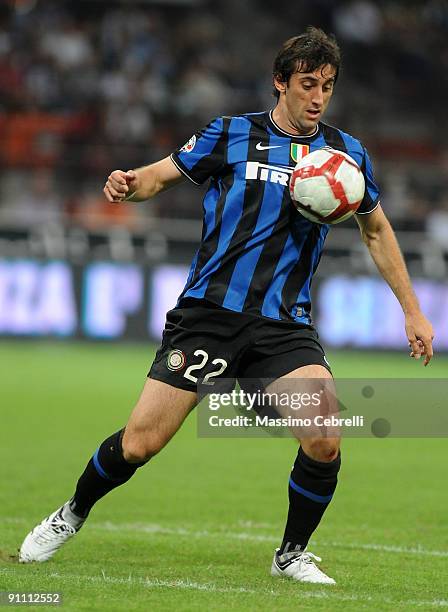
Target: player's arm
pixel 380 239
pixel 143 183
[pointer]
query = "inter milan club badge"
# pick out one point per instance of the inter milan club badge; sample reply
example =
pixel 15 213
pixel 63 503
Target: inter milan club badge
pixel 189 146
pixel 175 360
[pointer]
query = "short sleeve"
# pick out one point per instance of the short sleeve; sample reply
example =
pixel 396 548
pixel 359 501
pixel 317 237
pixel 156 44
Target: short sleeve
pixel 204 155
pixel 372 194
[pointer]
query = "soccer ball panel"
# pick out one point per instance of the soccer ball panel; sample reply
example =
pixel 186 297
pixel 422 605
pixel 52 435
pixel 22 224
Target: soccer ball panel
pixel 316 188
pixel 348 175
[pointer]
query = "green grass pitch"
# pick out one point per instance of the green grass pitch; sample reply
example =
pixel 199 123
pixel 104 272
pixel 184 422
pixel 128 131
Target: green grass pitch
pixel 196 528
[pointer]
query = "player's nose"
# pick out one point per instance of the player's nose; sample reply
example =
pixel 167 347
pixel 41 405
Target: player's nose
pixel 318 96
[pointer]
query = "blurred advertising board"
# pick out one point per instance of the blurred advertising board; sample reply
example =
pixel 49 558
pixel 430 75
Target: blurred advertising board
pixel 115 301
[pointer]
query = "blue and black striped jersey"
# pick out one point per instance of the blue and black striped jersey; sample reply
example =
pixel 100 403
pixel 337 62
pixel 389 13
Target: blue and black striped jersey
pixel 257 253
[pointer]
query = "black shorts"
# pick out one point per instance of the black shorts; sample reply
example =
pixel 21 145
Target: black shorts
pixel 204 342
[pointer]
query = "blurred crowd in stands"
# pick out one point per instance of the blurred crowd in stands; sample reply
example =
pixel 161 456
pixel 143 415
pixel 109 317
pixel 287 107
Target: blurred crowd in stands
pixel 89 86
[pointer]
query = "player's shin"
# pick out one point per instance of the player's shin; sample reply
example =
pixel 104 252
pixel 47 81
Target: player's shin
pixel 311 488
pixel 106 470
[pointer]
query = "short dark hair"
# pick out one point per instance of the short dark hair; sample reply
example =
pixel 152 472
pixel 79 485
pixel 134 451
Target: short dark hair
pixel 306 53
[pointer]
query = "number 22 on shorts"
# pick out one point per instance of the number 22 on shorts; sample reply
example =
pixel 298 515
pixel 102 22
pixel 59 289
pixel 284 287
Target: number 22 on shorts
pixel 222 363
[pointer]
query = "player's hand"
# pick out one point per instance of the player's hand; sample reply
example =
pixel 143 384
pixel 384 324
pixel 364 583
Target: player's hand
pixel 420 335
pixel 120 185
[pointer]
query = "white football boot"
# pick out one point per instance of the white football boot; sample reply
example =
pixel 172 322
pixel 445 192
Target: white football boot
pixel 46 538
pixel 299 566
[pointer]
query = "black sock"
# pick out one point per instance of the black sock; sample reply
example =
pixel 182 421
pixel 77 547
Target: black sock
pixel 311 487
pixel 106 470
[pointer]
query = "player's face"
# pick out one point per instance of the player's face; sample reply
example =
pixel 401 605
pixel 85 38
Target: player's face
pixel 305 98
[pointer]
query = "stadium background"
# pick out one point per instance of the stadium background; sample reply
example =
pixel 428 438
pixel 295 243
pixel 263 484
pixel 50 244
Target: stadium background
pixel 87 87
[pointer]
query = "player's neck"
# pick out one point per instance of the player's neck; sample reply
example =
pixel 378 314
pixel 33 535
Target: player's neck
pixel 285 122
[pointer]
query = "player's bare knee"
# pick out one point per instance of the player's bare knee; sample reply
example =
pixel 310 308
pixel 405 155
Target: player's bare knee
pixel 141 447
pixel 134 452
pixel 322 449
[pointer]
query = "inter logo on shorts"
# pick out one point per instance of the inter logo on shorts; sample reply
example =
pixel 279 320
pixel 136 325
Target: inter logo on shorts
pixel 189 146
pixel 175 360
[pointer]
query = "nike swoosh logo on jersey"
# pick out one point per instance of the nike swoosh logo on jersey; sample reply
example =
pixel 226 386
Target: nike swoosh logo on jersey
pixel 260 147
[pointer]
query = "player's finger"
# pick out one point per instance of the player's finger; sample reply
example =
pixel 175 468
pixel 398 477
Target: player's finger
pixel 114 193
pixel 107 194
pixel 415 348
pixel 421 346
pixel 120 186
pixel 117 176
pixel 428 350
pixel 110 196
pixel 131 175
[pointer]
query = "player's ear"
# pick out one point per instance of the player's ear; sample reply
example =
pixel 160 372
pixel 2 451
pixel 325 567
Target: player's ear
pixel 279 85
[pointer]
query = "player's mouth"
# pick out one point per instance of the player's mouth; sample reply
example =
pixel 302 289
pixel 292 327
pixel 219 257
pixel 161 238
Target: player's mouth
pixel 313 113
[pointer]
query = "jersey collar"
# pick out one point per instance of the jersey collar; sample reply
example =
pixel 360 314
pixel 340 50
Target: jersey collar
pixel 279 130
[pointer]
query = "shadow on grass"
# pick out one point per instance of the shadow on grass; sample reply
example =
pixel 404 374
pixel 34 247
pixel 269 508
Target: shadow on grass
pixel 7 557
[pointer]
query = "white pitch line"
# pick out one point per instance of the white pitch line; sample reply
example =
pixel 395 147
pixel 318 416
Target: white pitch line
pixel 156 528
pixel 212 588
pixel 160 529
pixel 389 548
pixel 147 582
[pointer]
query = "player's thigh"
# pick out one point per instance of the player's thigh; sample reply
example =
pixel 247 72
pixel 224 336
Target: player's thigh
pixel 160 411
pixel 312 392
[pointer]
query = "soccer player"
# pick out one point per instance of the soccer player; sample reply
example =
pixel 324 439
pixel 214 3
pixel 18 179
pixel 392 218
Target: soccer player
pixel 245 309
